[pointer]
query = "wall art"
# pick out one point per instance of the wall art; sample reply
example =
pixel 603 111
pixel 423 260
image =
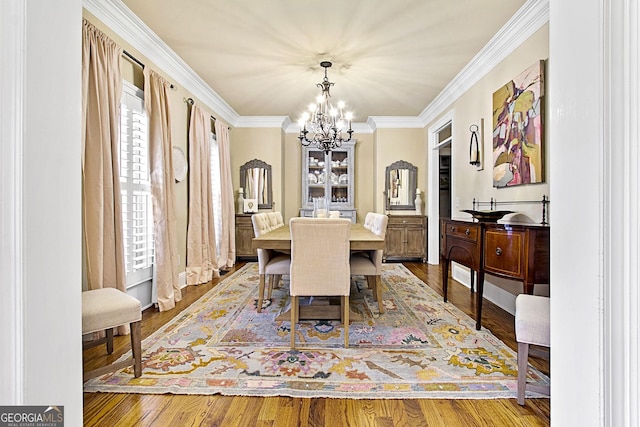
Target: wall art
pixel 518 133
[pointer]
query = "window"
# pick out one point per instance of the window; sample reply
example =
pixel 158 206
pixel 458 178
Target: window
pixel 216 189
pixel 135 185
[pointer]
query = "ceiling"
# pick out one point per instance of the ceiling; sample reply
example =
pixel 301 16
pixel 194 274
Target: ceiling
pixel 390 58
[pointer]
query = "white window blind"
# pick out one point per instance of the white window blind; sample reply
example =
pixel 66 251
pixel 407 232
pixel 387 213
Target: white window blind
pixel 216 189
pixel 137 214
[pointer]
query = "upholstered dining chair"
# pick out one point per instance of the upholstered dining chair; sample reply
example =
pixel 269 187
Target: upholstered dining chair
pixel 271 264
pixel 369 263
pixel 275 219
pixel 319 265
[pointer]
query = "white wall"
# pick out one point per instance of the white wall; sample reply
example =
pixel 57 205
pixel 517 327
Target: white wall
pixel 41 351
pixel 594 99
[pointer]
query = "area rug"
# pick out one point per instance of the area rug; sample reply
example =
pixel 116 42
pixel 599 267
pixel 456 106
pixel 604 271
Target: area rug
pixel 420 347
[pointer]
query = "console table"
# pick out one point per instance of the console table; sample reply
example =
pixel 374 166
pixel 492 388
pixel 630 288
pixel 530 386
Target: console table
pixel 514 251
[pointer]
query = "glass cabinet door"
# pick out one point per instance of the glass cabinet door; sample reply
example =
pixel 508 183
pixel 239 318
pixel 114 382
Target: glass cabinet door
pixel 339 177
pixel 330 177
pixel 316 176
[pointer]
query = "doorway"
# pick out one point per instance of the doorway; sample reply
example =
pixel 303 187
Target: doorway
pixel 441 175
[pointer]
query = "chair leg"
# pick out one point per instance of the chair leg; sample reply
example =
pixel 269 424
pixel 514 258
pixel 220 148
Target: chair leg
pixel 294 319
pixel 523 361
pixel 260 293
pixel 109 339
pixel 376 286
pixel 345 316
pixel 274 283
pixel 136 349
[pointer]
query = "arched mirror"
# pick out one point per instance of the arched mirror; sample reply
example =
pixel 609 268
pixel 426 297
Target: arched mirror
pixel 255 179
pixel 400 185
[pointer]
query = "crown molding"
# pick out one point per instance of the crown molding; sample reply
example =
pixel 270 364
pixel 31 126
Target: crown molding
pixel 262 122
pixel 526 21
pixel 121 20
pixel 395 122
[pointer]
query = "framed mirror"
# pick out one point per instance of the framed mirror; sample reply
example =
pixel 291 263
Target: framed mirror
pixel 400 185
pixel 255 180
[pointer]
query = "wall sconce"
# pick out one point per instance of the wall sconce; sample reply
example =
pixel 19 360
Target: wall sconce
pixel 476 145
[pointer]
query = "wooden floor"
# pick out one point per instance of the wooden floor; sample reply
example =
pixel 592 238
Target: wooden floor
pixel 106 409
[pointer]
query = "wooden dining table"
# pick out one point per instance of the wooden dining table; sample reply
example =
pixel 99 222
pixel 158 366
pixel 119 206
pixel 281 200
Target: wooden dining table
pixel 360 239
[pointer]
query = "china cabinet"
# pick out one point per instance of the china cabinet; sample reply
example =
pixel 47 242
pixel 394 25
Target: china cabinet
pixel 329 176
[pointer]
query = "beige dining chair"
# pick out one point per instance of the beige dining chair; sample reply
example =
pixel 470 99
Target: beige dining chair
pixel 319 265
pixel 275 219
pixel 272 265
pixel 369 263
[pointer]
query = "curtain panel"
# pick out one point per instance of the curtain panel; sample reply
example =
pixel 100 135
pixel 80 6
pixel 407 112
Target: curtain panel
pixel 161 167
pixel 102 210
pixel 202 264
pixel 227 248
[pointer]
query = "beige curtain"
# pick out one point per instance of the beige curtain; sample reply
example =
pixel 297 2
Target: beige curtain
pixel 227 248
pixel 102 211
pixel 162 181
pixel 202 264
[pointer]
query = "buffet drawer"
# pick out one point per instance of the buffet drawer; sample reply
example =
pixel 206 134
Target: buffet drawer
pixel 469 232
pixel 504 252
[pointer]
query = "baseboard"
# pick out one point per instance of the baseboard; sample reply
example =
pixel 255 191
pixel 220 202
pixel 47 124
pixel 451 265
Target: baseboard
pixel 182 279
pixel 495 288
pixel 503 299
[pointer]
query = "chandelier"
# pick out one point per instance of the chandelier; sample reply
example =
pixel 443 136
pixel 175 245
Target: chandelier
pixel 323 125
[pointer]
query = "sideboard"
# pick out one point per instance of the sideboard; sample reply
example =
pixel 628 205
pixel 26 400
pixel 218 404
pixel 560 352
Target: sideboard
pixel 406 238
pixel 244 238
pixel 513 251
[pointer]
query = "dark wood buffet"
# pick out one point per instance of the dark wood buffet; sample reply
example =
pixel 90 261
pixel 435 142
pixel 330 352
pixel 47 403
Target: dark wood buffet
pixel 513 251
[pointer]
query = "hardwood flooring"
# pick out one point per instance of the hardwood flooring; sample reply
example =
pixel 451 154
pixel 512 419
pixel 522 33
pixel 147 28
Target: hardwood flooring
pixel 114 409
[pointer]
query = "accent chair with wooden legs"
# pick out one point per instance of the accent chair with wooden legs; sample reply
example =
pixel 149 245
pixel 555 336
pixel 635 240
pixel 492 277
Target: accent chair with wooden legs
pixel 532 328
pixel 105 309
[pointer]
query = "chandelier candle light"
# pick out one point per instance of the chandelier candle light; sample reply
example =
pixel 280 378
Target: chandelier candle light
pixel 323 125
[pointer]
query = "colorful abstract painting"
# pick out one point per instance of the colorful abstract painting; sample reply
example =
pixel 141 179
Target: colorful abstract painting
pixel 518 149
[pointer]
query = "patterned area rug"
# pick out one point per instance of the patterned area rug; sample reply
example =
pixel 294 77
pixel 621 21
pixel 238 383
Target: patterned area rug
pixel 420 347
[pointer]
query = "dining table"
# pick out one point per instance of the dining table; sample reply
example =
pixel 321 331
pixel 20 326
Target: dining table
pixel 360 239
